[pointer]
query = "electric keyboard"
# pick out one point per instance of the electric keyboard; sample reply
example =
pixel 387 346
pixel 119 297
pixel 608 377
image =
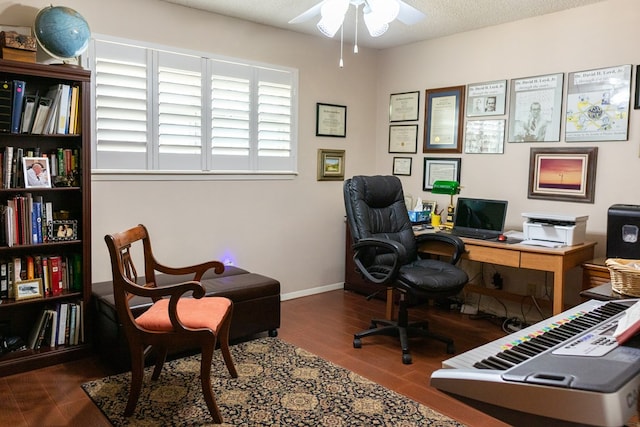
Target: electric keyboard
pixel 567 367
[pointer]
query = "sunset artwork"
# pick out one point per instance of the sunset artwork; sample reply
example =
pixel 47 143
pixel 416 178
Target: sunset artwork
pixel 561 173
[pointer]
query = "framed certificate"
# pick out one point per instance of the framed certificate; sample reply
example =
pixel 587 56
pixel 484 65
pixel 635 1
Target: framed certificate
pixel 402 166
pixel 439 169
pixel 331 120
pixel 443 120
pixel 403 107
pixel 403 138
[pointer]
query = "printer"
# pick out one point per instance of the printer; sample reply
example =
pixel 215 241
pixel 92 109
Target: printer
pixel 564 230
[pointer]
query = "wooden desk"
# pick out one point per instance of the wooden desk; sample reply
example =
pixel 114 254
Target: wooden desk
pixel 557 260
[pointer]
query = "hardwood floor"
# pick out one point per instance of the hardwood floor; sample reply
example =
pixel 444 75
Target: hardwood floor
pixel 322 324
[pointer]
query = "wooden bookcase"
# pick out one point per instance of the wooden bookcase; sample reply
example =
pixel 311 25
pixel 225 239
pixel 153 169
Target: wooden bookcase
pixel 17 318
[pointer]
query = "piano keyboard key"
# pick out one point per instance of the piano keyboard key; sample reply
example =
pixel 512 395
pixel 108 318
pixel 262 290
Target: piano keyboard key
pixel 550 332
pixel 541 343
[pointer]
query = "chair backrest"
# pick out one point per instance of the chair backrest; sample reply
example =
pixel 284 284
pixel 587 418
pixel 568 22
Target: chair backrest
pixel 375 207
pixel 124 273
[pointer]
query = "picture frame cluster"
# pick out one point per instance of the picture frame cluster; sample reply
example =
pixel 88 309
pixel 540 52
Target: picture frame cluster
pixel 478 118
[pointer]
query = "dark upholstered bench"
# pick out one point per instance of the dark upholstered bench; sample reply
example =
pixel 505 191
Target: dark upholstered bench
pixel 256 308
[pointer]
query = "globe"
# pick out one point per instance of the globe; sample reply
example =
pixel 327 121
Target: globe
pixel 62 32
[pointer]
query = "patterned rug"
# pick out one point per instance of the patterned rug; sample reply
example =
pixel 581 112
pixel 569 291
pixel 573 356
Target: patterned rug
pixel 278 384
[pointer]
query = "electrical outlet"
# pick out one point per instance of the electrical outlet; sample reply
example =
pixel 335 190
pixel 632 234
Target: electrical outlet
pixel 531 289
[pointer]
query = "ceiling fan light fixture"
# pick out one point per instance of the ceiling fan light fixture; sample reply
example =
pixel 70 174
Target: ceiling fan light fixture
pixel 375 25
pixel 385 10
pixel 332 15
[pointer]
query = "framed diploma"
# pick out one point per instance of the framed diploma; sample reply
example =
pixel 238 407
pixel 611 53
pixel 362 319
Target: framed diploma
pixel 402 166
pixel 331 120
pixel 403 107
pixel 403 138
pixel 443 120
pixel 440 169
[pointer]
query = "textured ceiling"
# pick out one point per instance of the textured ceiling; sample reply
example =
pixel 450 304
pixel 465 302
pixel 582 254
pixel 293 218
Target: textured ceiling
pixel 444 17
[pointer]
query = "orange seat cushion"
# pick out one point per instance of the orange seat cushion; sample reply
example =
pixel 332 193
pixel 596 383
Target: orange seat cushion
pixel 194 313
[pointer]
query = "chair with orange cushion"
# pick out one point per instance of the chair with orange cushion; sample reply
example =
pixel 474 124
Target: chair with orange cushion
pixel 173 320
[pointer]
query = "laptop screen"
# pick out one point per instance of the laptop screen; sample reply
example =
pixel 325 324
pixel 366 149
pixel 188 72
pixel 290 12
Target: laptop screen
pixel 481 215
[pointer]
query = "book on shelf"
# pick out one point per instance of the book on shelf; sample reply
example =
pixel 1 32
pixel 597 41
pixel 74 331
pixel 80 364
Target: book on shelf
pixel 4 280
pixel 42 112
pixel 29 113
pixel 62 322
pixel 16 105
pixel 35 330
pixel 6 97
pixel 62 117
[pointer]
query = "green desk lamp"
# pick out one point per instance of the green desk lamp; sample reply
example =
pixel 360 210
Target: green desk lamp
pixel 451 188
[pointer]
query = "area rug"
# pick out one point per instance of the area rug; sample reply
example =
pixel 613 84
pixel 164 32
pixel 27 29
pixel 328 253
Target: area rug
pixel 278 384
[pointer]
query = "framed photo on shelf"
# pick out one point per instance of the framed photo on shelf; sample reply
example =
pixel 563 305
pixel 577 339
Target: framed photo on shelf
pixel 62 230
pixel 486 99
pixel 535 108
pixel 29 289
pixel 563 174
pixel 402 166
pixel 331 120
pixel 598 105
pixel 403 107
pixel 330 165
pixel 440 169
pixel 36 172
pixel 484 136
pixel 444 109
pixel 403 139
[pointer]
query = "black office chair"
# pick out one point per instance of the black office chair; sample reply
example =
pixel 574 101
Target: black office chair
pixel 385 253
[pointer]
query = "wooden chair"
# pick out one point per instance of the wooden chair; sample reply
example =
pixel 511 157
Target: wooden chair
pixel 172 320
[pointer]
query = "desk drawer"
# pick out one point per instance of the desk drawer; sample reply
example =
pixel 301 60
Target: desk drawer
pixel 500 256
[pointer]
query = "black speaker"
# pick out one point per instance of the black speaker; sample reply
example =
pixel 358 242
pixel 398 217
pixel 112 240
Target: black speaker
pixel 623 232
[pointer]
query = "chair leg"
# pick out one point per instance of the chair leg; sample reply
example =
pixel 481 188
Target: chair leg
pixel 223 338
pixel 161 356
pixel 137 374
pixel 205 379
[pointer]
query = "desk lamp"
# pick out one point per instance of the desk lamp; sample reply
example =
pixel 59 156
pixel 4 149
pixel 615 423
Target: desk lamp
pixel 451 188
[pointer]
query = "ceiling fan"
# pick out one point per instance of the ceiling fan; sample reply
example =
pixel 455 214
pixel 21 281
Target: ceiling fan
pixel 377 15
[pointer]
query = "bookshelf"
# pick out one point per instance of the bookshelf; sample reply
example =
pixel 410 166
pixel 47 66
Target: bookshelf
pixel 68 200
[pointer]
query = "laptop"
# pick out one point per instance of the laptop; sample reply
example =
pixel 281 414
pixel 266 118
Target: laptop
pixel 479 218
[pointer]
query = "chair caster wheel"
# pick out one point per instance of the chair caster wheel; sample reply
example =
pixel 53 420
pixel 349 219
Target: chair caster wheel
pixel 406 359
pixel 357 343
pixel 450 349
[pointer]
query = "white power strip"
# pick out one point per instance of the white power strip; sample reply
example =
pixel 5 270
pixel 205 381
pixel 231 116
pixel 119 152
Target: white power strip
pixel 468 309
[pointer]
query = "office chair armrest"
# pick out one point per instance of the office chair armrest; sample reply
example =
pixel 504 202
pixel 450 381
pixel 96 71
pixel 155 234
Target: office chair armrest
pixel 454 241
pixel 364 252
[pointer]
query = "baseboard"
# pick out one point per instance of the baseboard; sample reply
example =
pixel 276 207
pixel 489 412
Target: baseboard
pixel 312 291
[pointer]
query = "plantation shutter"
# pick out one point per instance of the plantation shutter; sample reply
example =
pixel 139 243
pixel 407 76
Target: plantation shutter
pixel 121 107
pixel 160 110
pixel 179 112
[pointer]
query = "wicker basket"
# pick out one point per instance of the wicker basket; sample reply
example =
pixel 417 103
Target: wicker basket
pixel 625 275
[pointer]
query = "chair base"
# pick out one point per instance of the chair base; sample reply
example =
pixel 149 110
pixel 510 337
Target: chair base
pixel 404 331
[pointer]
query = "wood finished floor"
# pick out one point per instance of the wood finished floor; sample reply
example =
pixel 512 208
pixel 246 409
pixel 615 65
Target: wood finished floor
pixel 322 324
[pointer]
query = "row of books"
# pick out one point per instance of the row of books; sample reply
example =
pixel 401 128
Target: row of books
pixel 26 220
pixel 58 273
pixel 60 325
pixel 55 112
pixel 60 162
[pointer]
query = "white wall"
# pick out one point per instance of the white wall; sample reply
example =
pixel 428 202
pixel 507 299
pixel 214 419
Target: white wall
pixel 293 230
pixel 600 35
pixel 595 36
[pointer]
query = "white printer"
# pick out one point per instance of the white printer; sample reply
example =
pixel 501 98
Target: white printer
pixel 554 229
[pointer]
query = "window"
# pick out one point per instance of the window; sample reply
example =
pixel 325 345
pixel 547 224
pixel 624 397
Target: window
pixel 163 111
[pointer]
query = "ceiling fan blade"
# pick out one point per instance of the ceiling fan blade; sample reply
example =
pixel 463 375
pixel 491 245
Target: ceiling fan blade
pixel 409 15
pixel 308 14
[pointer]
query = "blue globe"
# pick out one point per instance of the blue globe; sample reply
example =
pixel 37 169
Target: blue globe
pixel 62 32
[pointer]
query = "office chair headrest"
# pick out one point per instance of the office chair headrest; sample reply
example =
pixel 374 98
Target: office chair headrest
pixel 378 191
